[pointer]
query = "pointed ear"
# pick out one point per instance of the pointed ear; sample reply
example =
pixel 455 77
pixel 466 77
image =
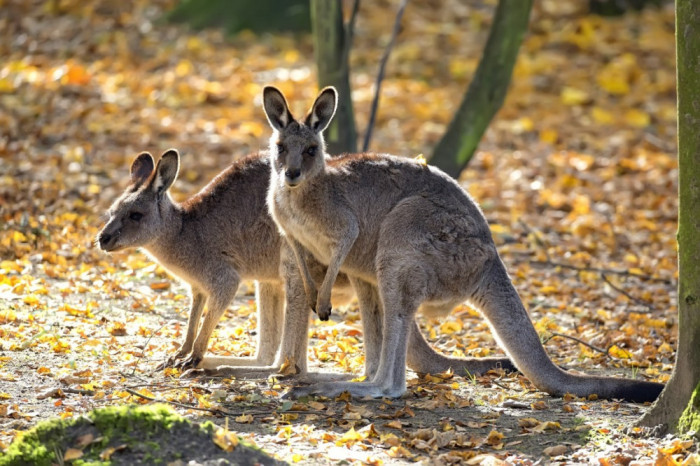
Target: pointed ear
pixel 166 171
pixel 141 168
pixel 322 111
pixel 276 108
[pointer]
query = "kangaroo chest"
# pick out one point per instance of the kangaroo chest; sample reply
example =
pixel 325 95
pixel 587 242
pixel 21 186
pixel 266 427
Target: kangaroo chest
pixel 302 228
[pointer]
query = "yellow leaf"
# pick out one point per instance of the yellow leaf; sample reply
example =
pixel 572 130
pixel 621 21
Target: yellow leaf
pixel 349 438
pixel 31 300
pixel 637 118
pixel 549 136
pixel 117 329
pixel 528 422
pixel 225 440
pixel 549 425
pixel 420 158
pixel 450 327
pixel 10 266
pixel 573 96
pixel 494 437
pixel 399 452
pixel 6 86
pixel 618 352
pixel 602 116
pixel 244 419
pixel 183 68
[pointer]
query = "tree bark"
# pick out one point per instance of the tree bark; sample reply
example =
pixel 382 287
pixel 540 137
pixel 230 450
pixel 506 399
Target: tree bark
pixel 487 90
pixel 686 373
pixel 331 47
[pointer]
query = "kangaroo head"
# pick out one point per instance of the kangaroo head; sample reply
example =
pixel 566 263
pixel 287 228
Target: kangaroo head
pixel 297 148
pixel 136 217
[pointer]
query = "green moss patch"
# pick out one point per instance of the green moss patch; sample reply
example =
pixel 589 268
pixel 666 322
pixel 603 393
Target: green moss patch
pixel 153 434
pixel 690 419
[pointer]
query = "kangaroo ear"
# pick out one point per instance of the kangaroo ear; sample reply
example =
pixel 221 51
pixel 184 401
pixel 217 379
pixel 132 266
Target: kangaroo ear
pixel 276 108
pixel 322 111
pixel 141 168
pixel 166 171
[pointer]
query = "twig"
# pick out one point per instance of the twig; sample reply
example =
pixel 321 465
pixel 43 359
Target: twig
pixel 219 411
pixel 538 240
pixel 624 293
pixel 583 342
pixel 350 30
pixel 145 346
pixel 601 270
pixel 78 391
pixel 176 403
pixel 380 74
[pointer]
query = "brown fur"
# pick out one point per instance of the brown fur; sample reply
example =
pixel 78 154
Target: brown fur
pixel 212 241
pixel 410 231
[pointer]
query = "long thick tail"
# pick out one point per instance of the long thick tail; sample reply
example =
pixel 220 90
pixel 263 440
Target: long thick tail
pixel 499 301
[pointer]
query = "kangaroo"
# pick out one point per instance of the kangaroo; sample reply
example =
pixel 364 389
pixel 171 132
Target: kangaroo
pixel 412 232
pixel 215 239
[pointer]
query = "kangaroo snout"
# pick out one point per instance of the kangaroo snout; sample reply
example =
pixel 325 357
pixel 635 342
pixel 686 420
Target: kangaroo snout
pixel 107 241
pixel 292 176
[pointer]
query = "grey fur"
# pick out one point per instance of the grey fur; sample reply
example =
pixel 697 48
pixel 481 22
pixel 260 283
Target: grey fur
pixel 412 232
pixel 217 238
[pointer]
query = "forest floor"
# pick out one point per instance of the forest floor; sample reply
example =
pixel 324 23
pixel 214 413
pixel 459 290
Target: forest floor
pixel 577 176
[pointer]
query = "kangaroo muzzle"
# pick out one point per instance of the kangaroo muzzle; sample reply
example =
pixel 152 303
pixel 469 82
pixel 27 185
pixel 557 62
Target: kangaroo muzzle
pixel 292 176
pixel 108 240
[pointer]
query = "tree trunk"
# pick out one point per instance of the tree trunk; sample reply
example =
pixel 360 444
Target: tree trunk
pixel 331 47
pixel 487 89
pixel 686 374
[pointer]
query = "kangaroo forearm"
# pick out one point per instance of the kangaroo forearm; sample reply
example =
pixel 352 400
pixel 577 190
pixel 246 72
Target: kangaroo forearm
pixel 300 257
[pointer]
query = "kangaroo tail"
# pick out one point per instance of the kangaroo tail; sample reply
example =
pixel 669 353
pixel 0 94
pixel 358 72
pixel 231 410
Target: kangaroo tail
pixel 498 300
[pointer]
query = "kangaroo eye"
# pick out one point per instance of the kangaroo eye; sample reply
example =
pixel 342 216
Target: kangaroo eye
pixel 135 216
pixel 311 151
pixel 280 148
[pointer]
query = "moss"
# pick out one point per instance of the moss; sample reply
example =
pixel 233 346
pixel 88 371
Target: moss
pixel 690 419
pixel 153 434
pixel 43 444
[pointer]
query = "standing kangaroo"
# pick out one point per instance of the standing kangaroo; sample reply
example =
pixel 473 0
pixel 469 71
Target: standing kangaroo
pixel 223 235
pixel 411 231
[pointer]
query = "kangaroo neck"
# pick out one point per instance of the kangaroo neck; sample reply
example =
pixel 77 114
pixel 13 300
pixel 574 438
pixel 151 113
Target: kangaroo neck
pixel 173 231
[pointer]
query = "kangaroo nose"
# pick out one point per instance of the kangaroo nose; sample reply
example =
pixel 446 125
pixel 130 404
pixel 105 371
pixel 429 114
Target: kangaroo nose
pixel 104 239
pixel 292 175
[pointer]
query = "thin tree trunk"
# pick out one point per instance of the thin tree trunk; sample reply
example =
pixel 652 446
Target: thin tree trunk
pixel 487 89
pixel 686 373
pixel 331 47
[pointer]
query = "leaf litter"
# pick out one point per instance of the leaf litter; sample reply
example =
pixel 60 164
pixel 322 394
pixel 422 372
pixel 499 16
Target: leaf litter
pixel 577 176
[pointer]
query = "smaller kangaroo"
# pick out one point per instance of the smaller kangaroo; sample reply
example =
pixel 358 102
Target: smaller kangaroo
pixel 212 241
pixel 412 232
pixel 223 235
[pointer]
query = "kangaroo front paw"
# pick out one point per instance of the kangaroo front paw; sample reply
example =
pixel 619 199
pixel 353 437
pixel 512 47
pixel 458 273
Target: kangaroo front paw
pixel 324 313
pixel 323 309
